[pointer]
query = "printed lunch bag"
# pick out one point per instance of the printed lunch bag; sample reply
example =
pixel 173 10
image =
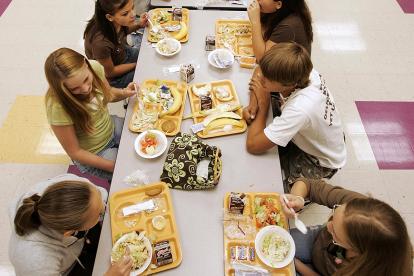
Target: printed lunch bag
pixel 180 167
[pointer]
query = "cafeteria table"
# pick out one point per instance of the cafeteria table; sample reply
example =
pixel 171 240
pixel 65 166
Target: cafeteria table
pixel 198 214
pixel 240 5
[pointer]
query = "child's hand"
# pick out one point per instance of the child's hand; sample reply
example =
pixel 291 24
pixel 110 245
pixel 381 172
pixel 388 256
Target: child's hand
pixel 122 267
pixel 295 202
pixel 254 12
pixel 249 113
pixel 130 90
pixel 143 20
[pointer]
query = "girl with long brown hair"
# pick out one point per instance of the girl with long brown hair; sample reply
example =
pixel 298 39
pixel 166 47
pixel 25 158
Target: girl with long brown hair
pixel 56 230
pixel 363 236
pixel 76 104
pixel 105 39
pixel 276 21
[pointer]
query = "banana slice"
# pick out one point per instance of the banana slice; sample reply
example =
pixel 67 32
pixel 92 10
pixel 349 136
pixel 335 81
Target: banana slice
pixel 215 116
pixel 176 105
pixel 221 123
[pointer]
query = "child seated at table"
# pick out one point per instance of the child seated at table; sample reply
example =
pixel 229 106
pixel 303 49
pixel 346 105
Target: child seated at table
pixel 276 22
pixel 105 39
pixel 56 229
pixel 363 236
pixel 309 131
pixel 76 105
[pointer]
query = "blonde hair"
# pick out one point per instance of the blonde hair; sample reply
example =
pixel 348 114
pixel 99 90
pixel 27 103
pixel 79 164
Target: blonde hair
pixel 60 65
pixel 62 207
pixel 379 235
pixel 287 63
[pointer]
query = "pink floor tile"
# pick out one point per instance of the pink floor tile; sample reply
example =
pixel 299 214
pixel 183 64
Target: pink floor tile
pixel 406 5
pixel 390 130
pixel 3 5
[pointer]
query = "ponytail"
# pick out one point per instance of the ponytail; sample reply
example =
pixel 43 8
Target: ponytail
pixel 27 216
pixel 61 208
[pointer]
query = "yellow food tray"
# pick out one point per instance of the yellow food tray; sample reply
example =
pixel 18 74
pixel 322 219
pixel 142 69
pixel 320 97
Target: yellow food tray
pixel 169 124
pixel 237 33
pixel 247 224
pixel 195 106
pixel 152 37
pixel 143 221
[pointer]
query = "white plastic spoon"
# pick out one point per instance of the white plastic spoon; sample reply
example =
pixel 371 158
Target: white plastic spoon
pixel 298 223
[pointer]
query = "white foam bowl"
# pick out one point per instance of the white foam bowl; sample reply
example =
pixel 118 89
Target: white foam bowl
pixel 161 147
pixel 147 262
pixel 223 55
pixel 281 232
pixel 171 42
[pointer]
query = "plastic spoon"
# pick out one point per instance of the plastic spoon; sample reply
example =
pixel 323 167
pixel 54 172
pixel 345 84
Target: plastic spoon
pixel 298 223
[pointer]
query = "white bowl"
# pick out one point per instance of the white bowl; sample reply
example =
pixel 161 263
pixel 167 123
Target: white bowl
pixel 161 147
pixel 281 232
pixel 223 55
pixel 171 42
pixel 147 262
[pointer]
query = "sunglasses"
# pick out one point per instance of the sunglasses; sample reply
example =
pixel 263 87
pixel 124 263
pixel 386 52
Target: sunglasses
pixel 334 248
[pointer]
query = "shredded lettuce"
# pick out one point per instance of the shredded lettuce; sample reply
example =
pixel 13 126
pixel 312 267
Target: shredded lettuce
pixel 275 248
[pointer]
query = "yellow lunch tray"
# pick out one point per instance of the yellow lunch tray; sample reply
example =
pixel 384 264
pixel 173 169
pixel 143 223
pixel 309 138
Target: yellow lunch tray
pixel 237 33
pixel 169 124
pixel 143 221
pixel 152 37
pixel 247 224
pixel 195 106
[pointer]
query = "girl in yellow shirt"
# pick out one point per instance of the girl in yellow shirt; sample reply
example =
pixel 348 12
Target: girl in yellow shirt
pixel 76 104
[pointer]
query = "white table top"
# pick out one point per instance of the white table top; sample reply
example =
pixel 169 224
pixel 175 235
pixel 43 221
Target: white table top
pixel 202 4
pixel 198 213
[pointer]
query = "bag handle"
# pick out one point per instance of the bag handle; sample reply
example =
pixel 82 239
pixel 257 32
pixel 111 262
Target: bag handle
pixel 217 168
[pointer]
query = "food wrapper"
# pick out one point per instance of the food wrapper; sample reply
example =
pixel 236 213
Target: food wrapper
pixel 148 205
pixel 137 178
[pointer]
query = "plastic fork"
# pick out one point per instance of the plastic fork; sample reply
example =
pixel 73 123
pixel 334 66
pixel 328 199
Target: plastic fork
pixel 298 223
pixel 154 29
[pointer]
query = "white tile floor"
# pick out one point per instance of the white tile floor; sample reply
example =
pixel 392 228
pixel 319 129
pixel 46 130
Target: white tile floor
pixel 363 48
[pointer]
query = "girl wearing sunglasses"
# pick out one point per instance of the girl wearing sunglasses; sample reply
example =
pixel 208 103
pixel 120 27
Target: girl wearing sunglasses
pixel 363 236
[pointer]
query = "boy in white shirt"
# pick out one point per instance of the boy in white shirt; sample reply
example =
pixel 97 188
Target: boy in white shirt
pixel 308 132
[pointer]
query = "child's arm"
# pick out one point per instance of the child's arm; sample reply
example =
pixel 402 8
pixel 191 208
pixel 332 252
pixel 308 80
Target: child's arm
pixel 257 142
pixel 118 94
pixel 142 23
pixel 112 70
pixel 303 269
pixel 249 113
pixel 259 45
pixel 67 138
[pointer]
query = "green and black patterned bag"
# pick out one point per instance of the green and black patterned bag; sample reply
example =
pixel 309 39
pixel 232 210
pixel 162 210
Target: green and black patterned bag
pixel 180 167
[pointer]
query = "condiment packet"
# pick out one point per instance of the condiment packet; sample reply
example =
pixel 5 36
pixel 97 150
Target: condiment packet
pixel 143 206
pixel 197 127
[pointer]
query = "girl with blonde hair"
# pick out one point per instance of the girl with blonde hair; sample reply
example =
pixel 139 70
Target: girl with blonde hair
pixel 56 229
pixel 76 105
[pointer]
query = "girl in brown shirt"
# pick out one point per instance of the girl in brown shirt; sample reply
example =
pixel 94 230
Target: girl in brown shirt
pixel 276 22
pixel 363 236
pixel 105 39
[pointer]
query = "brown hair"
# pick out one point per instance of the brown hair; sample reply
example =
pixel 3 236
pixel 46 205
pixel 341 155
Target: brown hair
pixel 60 65
pixel 99 22
pixel 287 63
pixel 61 207
pixel 299 7
pixel 380 236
